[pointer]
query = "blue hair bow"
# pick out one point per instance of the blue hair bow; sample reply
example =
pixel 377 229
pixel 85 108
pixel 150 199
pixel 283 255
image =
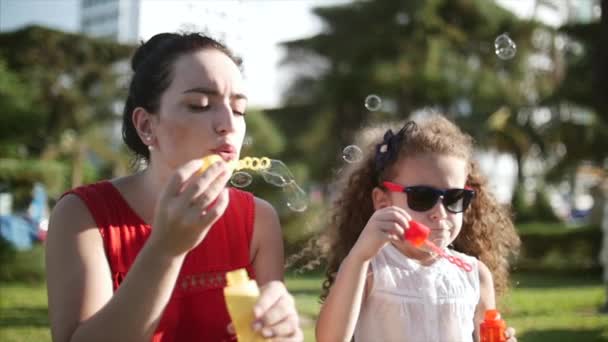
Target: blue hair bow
pixel 388 149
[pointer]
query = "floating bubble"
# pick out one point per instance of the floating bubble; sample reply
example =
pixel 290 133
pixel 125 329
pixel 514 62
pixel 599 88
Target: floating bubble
pixel 373 102
pixel 296 198
pixel 241 179
pixel 504 47
pixel 277 174
pixel 248 141
pixel 352 154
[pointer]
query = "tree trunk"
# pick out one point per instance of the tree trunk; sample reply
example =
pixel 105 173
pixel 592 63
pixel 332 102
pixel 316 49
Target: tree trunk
pixel 78 165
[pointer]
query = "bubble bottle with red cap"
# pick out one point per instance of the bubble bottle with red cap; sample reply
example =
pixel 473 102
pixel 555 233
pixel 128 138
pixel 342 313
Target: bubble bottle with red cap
pixel 492 328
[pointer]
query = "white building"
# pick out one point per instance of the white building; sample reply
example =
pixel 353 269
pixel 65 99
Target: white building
pixel 114 19
pixel 129 21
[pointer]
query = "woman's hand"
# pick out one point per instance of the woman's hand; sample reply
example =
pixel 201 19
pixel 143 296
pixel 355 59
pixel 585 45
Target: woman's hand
pixel 275 314
pixel 510 335
pixel 188 206
pixel 386 224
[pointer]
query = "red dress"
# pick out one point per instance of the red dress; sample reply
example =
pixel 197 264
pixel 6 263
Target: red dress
pixel 196 310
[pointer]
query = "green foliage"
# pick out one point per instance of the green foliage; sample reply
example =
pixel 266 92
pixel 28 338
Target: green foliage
pixel 539 210
pixel 412 54
pixel 21 266
pixel 555 246
pixel 267 140
pixel 71 81
pixel 20 175
pixel 542 209
pixel 58 95
pixel 18 115
pixel 521 208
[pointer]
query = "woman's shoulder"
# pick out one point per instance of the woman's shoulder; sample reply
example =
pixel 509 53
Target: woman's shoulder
pixel 265 213
pixel 78 204
pixel 70 216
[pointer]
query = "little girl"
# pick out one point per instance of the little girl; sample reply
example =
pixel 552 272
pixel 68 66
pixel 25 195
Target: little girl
pixel 379 287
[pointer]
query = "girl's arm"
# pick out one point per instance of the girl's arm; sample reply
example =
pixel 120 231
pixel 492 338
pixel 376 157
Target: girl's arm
pixel 81 302
pixel 339 313
pixel 275 312
pixel 487 299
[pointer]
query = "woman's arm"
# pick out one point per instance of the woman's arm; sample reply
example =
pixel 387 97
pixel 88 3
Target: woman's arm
pixel 487 299
pixel 82 306
pixel 275 311
pixel 266 244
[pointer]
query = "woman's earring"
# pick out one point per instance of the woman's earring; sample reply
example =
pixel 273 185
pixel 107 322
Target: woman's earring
pixel 148 140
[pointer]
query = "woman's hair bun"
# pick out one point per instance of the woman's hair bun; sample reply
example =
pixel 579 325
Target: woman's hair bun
pixel 147 48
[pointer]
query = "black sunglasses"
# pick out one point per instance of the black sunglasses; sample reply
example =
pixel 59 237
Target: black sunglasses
pixel 423 198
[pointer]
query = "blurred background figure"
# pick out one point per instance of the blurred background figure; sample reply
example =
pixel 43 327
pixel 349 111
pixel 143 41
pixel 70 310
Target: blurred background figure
pixel 25 223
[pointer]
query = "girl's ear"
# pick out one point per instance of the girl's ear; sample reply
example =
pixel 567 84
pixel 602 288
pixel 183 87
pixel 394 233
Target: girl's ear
pixel 380 198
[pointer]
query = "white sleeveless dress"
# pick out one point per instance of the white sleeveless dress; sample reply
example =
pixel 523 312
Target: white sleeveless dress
pixel 415 303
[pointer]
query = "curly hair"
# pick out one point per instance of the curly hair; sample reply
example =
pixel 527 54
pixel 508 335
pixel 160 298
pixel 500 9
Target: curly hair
pixel 487 232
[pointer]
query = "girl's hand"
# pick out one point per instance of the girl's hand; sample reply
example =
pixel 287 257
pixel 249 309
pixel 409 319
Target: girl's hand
pixel 510 335
pixel 275 314
pixel 188 206
pixel 386 224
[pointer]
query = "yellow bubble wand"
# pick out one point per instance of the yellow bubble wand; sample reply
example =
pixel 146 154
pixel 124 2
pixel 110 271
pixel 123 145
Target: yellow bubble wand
pixel 251 163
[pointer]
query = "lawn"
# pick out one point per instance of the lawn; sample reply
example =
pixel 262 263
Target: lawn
pixel 543 307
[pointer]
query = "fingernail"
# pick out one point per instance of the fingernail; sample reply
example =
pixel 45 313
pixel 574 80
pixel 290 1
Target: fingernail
pixel 257 326
pixel 267 332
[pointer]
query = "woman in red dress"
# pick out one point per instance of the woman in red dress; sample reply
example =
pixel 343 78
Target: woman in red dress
pixel 144 257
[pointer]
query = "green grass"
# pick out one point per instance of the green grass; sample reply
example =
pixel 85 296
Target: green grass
pixel 542 307
pixel 23 312
pixel 554 307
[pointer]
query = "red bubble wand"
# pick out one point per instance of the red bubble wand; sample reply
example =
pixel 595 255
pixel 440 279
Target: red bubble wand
pixel 418 234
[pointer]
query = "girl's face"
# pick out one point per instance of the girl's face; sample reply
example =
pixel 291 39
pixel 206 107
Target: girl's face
pixel 438 171
pixel 202 112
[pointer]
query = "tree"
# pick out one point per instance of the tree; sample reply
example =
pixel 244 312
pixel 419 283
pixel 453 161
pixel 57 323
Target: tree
pixel 72 84
pixel 580 100
pixel 413 54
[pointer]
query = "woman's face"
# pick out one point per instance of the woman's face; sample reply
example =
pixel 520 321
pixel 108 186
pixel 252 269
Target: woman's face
pixel 202 111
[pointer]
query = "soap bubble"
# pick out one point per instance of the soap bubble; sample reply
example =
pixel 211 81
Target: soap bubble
pixel 373 102
pixel 241 179
pixel 352 154
pixel 296 198
pixel 504 47
pixel 248 141
pixel 277 174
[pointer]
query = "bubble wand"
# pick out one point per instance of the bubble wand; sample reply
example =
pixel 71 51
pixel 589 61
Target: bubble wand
pixel 418 234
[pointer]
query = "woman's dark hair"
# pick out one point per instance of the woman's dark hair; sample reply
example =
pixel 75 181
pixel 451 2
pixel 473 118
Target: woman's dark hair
pixel 152 66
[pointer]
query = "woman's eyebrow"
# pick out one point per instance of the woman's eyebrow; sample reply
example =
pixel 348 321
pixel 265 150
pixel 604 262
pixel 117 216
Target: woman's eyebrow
pixel 209 91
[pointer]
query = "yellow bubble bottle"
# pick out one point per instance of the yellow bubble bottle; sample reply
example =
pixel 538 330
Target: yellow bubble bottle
pixel 208 161
pixel 241 294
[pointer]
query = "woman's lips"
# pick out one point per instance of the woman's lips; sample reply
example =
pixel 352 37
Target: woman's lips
pixel 226 151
